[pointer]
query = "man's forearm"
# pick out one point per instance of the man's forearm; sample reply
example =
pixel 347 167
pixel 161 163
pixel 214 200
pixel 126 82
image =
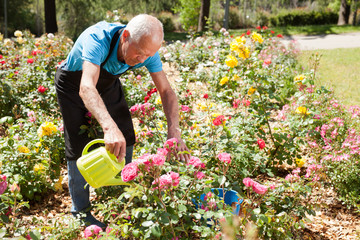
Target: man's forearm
pixel 171 109
pixel 96 106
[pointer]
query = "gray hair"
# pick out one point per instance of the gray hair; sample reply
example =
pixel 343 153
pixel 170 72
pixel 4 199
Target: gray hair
pixel 145 25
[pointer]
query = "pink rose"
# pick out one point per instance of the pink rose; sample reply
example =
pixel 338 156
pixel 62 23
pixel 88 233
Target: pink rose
pixel 92 230
pixel 171 144
pixel 175 178
pixel 259 189
pixel 200 175
pixel 162 151
pixel 163 182
pixel 261 143
pixel 248 182
pixel 129 172
pixel 3 184
pixel 224 157
pixel 196 162
pixel 185 108
pixel 158 159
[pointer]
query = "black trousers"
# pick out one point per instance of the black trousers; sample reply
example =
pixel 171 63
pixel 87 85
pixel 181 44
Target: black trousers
pixel 73 110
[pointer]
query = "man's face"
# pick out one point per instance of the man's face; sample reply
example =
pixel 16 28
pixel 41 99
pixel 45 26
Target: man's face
pixel 134 53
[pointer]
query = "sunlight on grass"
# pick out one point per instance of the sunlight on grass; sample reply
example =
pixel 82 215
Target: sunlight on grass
pixel 339 69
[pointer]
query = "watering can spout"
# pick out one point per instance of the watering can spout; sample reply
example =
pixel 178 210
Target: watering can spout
pixel 116 181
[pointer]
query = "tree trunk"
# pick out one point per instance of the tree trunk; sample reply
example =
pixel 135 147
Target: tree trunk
pixel 355 13
pixel 344 13
pixel 204 14
pixel 50 16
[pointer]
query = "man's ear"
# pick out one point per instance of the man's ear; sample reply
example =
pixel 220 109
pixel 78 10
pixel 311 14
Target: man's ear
pixel 126 34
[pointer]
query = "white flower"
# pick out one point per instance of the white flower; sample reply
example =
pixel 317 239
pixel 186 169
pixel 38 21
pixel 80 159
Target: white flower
pixel 167 56
pixel 18 33
pixel 50 35
pixel 7 42
pixel 20 40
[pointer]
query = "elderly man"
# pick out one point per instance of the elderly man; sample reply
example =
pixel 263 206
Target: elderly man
pixel 88 81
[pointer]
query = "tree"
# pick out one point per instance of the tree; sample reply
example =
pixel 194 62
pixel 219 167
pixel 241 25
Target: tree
pixel 50 16
pixel 204 14
pixel 344 13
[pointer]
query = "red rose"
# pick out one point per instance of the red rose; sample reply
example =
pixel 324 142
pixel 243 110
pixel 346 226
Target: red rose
pixel 146 98
pixel 280 36
pixel 219 120
pixel 272 31
pixel 261 143
pixel 248 32
pixel 41 89
pixel 206 96
pixel 265 27
pixel 258 28
pixel 30 60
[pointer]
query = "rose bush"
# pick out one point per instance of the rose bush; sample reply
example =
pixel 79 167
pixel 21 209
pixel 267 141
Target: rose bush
pixel 252 118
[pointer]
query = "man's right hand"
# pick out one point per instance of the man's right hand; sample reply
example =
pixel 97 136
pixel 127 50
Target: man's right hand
pixel 115 142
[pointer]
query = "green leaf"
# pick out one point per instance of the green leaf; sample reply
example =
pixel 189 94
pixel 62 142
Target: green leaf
pixel 147 223
pixel 257 211
pixel 156 231
pixel 221 180
pixel 182 208
pixel 35 235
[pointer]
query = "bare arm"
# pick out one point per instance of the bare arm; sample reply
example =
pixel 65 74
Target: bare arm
pixel 113 137
pixel 171 109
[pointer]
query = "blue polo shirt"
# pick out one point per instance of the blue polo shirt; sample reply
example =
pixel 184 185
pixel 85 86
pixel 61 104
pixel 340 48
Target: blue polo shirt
pixel 93 45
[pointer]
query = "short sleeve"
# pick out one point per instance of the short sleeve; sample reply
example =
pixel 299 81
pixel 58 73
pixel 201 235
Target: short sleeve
pixel 94 49
pixel 154 63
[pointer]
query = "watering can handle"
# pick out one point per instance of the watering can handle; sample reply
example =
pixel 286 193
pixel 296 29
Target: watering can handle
pixel 86 148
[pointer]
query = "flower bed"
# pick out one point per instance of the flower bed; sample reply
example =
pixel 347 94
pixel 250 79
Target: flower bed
pixel 247 111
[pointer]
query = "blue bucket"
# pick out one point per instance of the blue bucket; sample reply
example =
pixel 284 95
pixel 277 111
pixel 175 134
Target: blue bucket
pixel 230 198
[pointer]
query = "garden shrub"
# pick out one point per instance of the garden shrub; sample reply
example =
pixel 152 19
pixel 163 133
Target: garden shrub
pixel 302 18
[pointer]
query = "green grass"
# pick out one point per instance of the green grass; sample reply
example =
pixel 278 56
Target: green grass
pixel 286 31
pixel 339 69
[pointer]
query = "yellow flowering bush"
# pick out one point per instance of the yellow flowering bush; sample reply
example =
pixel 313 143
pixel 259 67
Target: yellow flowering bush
pixel 302 110
pixel 23 149
pixel 39 167
pixel 231 61
pixel 223 80
pixel 46 129
pixel 251 91
pixel 257 37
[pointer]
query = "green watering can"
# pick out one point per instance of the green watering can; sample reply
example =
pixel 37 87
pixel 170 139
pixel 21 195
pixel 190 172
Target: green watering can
pixel 99 167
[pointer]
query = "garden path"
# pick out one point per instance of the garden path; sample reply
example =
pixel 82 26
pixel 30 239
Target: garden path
pixel 326 41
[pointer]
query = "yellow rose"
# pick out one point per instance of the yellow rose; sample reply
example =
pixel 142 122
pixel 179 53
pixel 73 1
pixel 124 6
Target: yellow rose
pixel 18 33
pixel 24 149
pixel 158 101
pixel 39 167
pixel 257 37
pixel 7 42
pixel 302 110
pixel 231 61
pixel 224 80
pixel 46 129
pixel 300 162
pixel 244 53
pixel 240 40
pixel 236 77
pixel 251 90
pixel 234 46
pixel 160 125
pixel 299 78
pixel 58 185
pixel 20 40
